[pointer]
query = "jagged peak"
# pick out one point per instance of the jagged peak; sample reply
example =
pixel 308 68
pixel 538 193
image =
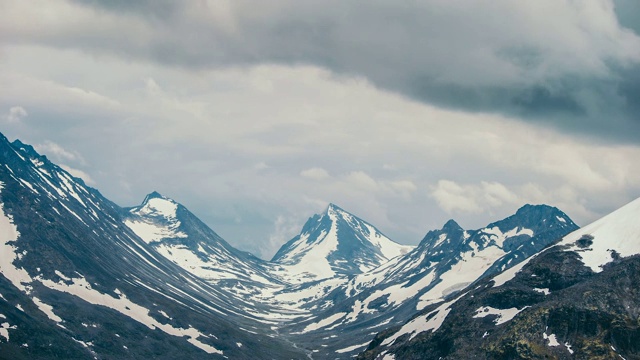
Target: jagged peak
pixel 451 225
pixel 333 208
pixel 155 202
pixel 26 149
pixel 154 195
pixel 535 207
pixel 540 208
pixel 534 215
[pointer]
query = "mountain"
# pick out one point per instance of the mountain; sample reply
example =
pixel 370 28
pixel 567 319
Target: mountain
pixel 77 283
pixel 176 233
pixel 445 262
pixel 577 299
pixel 336 243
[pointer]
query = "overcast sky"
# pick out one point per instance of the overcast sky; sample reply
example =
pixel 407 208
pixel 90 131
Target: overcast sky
pixel 257 114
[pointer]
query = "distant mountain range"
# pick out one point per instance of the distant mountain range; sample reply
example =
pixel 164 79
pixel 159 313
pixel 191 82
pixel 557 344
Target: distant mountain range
pixel 85 278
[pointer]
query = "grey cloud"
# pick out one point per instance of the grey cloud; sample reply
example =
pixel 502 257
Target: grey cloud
pixel 564 70
pixel 158 8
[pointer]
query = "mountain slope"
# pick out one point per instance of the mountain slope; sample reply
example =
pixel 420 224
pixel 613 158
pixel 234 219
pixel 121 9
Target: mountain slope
pixel 445 262
pixel 577 299
pixel 77 283
pixel 336 243
pixel 181 237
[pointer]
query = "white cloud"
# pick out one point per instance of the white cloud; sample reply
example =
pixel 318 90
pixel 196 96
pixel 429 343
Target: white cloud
pixel 284 229
pixel 496 194
pixel 452 197
pixel 16 114
pixel 362 181
pixel 50 148
pixel 473 198
pixel 261 166
pixel 79 174
pixel 315 173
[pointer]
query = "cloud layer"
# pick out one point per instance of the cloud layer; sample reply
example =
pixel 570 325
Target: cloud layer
pixel 256 116
pixel 562 63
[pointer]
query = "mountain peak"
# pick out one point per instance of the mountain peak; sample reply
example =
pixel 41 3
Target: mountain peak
pixel 533 207
pixel 337 243
pixel 535 217
pixel 542 209
pixel 154 195
pixel 451 225
pixel 26 149
pixel 158 204
pixel 334 209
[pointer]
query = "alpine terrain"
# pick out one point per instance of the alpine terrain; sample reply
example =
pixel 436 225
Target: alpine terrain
pixel 84 278
pixel 579 298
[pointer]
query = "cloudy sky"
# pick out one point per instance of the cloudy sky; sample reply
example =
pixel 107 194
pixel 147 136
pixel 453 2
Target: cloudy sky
pixel 256 115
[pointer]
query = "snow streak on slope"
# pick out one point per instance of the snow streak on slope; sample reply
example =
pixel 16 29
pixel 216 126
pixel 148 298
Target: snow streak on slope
pixel 8 234
pixel 431 321
pixel 82 289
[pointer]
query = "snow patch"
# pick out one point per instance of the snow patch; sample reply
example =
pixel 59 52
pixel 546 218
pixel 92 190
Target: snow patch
pixel 352 348
pixel 324 322
pixel 544 291
pixel 81 288
pixel 151 232
pixel 503 315
pixel 47 309
pixel 5 327
pixel 470 267
pixel 552 341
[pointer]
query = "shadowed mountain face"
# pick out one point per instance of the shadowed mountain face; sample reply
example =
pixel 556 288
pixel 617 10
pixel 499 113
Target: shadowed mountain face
pixel 84 278
pixel 77 283
pixel 577 299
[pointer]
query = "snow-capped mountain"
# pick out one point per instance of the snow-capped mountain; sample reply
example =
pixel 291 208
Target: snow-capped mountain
pixel 77 283
pixel 181 237
pixel 445 262
pixel 576 299
pixel 336 243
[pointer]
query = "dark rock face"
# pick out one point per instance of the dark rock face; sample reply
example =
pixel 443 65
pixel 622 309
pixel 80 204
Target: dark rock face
pixel 563 310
